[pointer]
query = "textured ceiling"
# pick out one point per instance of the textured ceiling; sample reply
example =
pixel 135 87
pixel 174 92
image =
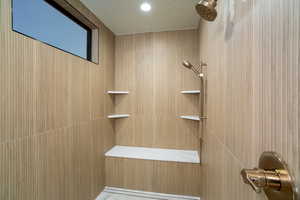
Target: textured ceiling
pixel 125 16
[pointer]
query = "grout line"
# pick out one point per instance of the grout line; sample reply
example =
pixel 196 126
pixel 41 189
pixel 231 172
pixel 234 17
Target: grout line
pixel 227 149
pixel 167 30
pixel 38 134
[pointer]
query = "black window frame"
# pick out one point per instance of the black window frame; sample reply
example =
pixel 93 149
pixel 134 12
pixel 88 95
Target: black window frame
pixel 71 17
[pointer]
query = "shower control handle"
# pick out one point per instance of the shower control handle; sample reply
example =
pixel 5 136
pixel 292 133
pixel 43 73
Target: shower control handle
pixel 273 177
pixel 259 178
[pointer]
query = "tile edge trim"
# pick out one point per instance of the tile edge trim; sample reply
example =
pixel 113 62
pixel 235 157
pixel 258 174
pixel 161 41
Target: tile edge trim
pixel 144 194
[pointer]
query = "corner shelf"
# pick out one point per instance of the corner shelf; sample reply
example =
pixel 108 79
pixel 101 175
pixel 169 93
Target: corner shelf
pixel 190 92
pixel 117 92
pixel 118 116
pixel 190 117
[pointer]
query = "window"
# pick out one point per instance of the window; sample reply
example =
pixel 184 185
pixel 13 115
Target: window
pixel 46 21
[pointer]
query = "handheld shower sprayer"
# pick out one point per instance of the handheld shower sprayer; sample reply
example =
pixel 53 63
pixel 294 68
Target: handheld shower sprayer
pixel 197 71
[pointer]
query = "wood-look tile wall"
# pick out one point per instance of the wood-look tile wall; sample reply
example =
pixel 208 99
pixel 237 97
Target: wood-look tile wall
pixel 252 51
pixel 53 126
pixel 155 176
pixel 149 66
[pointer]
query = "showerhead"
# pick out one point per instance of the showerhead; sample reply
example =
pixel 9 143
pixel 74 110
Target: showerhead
pixel 207 9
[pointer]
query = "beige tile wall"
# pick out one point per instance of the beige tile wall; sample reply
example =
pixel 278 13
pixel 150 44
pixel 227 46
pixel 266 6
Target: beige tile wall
pixel 53 125
pixel 154 176
pixel 149 66
pixel 252 51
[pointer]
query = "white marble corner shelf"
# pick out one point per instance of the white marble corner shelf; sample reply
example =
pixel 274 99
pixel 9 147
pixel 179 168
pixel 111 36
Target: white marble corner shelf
pixel 191 117
pixel 117 92
pixel 190 92
pixel 143 153
pixel 118 116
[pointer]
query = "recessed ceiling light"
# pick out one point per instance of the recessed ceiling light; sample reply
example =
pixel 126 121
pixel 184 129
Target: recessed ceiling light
pixel 146 7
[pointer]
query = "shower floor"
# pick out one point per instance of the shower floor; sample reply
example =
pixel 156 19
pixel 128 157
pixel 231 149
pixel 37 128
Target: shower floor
pixel 111 193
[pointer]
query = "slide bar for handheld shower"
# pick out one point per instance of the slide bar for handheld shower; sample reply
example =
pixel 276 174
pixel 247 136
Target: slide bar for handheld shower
pixel 199 73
